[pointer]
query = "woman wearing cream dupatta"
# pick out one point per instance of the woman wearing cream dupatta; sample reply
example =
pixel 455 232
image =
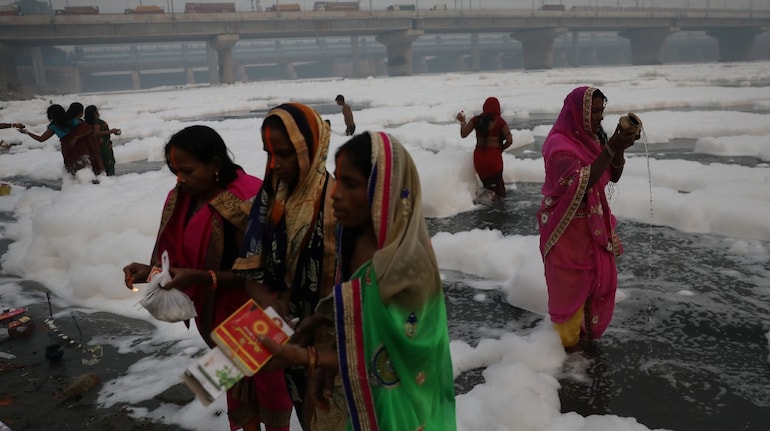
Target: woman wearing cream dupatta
pixel 392 344
pixel 391 323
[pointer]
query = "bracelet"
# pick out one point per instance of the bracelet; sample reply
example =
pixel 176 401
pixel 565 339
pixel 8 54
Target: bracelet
pixel 312 359
pixel 214 283
pixel 609 151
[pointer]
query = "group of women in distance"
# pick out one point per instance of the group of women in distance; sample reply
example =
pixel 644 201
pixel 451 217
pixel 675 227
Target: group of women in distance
pixel 85 138
pixel 350 258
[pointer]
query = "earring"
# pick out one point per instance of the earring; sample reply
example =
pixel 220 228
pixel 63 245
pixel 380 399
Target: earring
pixel 216 176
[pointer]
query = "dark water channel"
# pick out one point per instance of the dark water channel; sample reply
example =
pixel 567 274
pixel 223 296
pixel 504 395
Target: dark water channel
pixel 687 349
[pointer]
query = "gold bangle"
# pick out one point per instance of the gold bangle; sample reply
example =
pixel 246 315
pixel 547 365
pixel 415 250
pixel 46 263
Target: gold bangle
pixel 214 283
pixel 312 359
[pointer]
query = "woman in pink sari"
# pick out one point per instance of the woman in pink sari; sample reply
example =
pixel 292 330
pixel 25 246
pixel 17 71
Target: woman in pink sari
pixel 577 229
pixel 202 227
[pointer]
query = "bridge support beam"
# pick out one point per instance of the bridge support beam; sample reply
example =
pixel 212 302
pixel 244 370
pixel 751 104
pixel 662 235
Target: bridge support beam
pixel 38 67
pixel 399 48
pixel 475 53
pixel 735 44
pixel 190 73
pixel 647 44
pixel 223 44
pixel 9 78
pixel 355 46
pixel 289 71
pixel 537 46
pixel 575 51
pixel 136 79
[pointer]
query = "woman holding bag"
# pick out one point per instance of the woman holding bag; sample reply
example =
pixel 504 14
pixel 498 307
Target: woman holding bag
pixel 202 227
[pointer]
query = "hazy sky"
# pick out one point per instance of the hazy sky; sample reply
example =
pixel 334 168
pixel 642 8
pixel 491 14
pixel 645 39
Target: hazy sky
pixel 109 6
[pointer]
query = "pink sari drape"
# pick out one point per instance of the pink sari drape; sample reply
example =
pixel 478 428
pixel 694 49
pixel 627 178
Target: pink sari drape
pixel 199 242
pixel 577 229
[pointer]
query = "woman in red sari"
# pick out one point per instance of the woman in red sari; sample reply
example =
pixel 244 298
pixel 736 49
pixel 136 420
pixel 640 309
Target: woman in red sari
pixel 577 229
pixel 492 138
pixel 202 227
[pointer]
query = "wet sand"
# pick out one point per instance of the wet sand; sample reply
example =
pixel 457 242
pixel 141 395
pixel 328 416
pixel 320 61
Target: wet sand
pixel 37 393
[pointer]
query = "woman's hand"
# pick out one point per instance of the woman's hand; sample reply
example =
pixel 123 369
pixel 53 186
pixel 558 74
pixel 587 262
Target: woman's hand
pixel 135 273
pixel 620 140
pixel 460 117
pixel 182 278
pixel 284 355
pixel 304 333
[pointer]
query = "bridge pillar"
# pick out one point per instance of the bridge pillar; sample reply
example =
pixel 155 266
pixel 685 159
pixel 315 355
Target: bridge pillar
pixel 537 46
pixel 223 44
pixel 475 53
pixel 190 72
pixel 492 61
pixel 289 71
pixel 735 44
pixel 136 80
pixel 399 49
pixel 355 46
pixel 9 78
pixel 647 44
pixel 211 61
pixel 575 51
pixel 38 67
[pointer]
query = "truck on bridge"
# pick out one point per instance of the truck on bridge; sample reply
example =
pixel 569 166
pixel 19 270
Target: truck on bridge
pixel 402 7
pixel 284 7
pixel 10 9
pixel 78 10
pixel 147 9
pixel 337 6
pixel 209 7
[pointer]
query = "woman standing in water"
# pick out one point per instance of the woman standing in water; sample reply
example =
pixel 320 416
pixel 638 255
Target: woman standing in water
pixel 493 136
pixel 577 229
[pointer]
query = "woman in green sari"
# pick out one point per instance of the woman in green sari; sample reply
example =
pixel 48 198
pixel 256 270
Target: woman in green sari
pixel 390 318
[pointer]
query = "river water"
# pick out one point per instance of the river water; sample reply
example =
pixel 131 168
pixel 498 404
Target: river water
pixel 687 348
pixel 671 359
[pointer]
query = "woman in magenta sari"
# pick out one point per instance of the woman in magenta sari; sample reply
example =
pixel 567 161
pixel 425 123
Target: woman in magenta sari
pixel 202 227
pixel 577 229
pixel 492 138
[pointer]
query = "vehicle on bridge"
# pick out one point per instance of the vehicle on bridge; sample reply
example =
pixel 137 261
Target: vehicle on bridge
pixel 144 10
pixel 209 7
pixel 552 7
pixel 337 6
pixel 10 9
pixel 402 7
pixel 78 10
pixel 284 7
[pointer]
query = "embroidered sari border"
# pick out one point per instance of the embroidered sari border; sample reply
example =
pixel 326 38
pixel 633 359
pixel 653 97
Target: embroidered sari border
pixel 348 303
pixel 574 204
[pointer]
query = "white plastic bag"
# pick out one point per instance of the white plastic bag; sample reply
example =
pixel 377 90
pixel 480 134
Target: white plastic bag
pixel 168 305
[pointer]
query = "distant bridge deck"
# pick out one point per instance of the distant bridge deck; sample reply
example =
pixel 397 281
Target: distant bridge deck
pixel 37 30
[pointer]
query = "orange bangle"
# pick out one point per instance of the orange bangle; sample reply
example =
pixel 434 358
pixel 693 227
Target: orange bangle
pixel 312 359
pixel 213 279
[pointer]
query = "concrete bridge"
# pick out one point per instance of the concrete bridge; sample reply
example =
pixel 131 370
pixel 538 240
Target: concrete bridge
pixel 646 30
